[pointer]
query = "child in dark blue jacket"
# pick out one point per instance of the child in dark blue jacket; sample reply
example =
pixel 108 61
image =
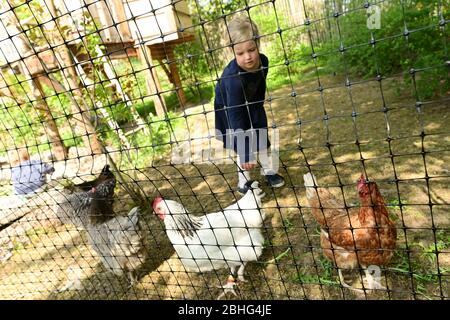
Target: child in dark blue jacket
pixel 240 118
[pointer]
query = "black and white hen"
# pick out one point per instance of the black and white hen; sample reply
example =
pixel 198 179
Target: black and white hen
pixel 118 240
pixel 95 205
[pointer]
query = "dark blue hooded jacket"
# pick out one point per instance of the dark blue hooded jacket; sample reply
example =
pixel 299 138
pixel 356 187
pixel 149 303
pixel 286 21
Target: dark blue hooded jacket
pixel 239 109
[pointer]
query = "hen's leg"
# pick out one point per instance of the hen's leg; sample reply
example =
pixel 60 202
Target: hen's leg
pixel 228 287
pixel 344 284
pixel 241 273
pixel 131 279
pixel 373 277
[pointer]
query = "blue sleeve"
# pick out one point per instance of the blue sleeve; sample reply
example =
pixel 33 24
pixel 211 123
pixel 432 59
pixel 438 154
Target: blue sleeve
pixel 236 110
pixel 238 118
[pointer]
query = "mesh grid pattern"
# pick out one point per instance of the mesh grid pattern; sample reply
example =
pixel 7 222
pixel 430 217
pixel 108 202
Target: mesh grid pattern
pixel 131 84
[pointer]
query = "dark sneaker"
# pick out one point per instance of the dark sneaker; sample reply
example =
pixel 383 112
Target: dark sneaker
pixel 247 186
pixel 243 190
pixel 275 180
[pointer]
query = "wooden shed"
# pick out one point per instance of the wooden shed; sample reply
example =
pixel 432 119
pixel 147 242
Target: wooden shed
pixel 158 21
pixel 149 29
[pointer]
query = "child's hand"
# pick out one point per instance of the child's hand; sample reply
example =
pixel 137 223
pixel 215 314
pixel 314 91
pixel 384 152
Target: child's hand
pixel 248 165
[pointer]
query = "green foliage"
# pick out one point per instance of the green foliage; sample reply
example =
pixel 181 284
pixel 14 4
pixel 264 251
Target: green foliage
pixel 69 139
pixel 156 143
pixel 430 252
pixel 193 63
pixel 395 205
pixel 419 259
pixel 409 38
pixel 324 274
pixel 288 225
pixel 21 126
pixel 213 9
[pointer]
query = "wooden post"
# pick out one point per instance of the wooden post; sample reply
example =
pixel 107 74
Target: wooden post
pixel 175 77
pixel 118 11
pixel 296 12
pixel 152 80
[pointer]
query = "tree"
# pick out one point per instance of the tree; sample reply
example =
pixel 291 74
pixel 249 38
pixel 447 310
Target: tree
pixel 23 48
pixel 80 111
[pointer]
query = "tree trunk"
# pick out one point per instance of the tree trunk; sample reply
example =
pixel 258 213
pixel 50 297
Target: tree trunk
pixel 59 151
pixel 80 111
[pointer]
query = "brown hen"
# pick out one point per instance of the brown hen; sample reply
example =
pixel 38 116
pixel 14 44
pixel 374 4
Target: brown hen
pixel 362 237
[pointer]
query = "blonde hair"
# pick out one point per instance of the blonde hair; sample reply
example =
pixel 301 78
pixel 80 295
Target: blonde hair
pixel 18 155
pixel 242 29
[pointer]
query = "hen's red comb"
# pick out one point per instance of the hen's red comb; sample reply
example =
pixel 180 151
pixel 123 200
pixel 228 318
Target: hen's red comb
pixel 361 182
pixel 156 201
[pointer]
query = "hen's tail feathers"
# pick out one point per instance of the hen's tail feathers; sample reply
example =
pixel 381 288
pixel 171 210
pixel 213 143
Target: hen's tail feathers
pixel 310 180
pixel 310 184
pixel 134 214
pixel 105 168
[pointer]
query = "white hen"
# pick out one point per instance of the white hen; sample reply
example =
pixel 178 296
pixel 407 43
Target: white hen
pixel 229 238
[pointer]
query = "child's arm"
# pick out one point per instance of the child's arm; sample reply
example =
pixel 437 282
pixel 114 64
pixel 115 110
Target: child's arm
pixel 236 110
pixel 238 118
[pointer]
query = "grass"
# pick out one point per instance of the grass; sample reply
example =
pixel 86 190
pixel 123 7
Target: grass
pixel 325 274
pixel 413 269
pixel 202 94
